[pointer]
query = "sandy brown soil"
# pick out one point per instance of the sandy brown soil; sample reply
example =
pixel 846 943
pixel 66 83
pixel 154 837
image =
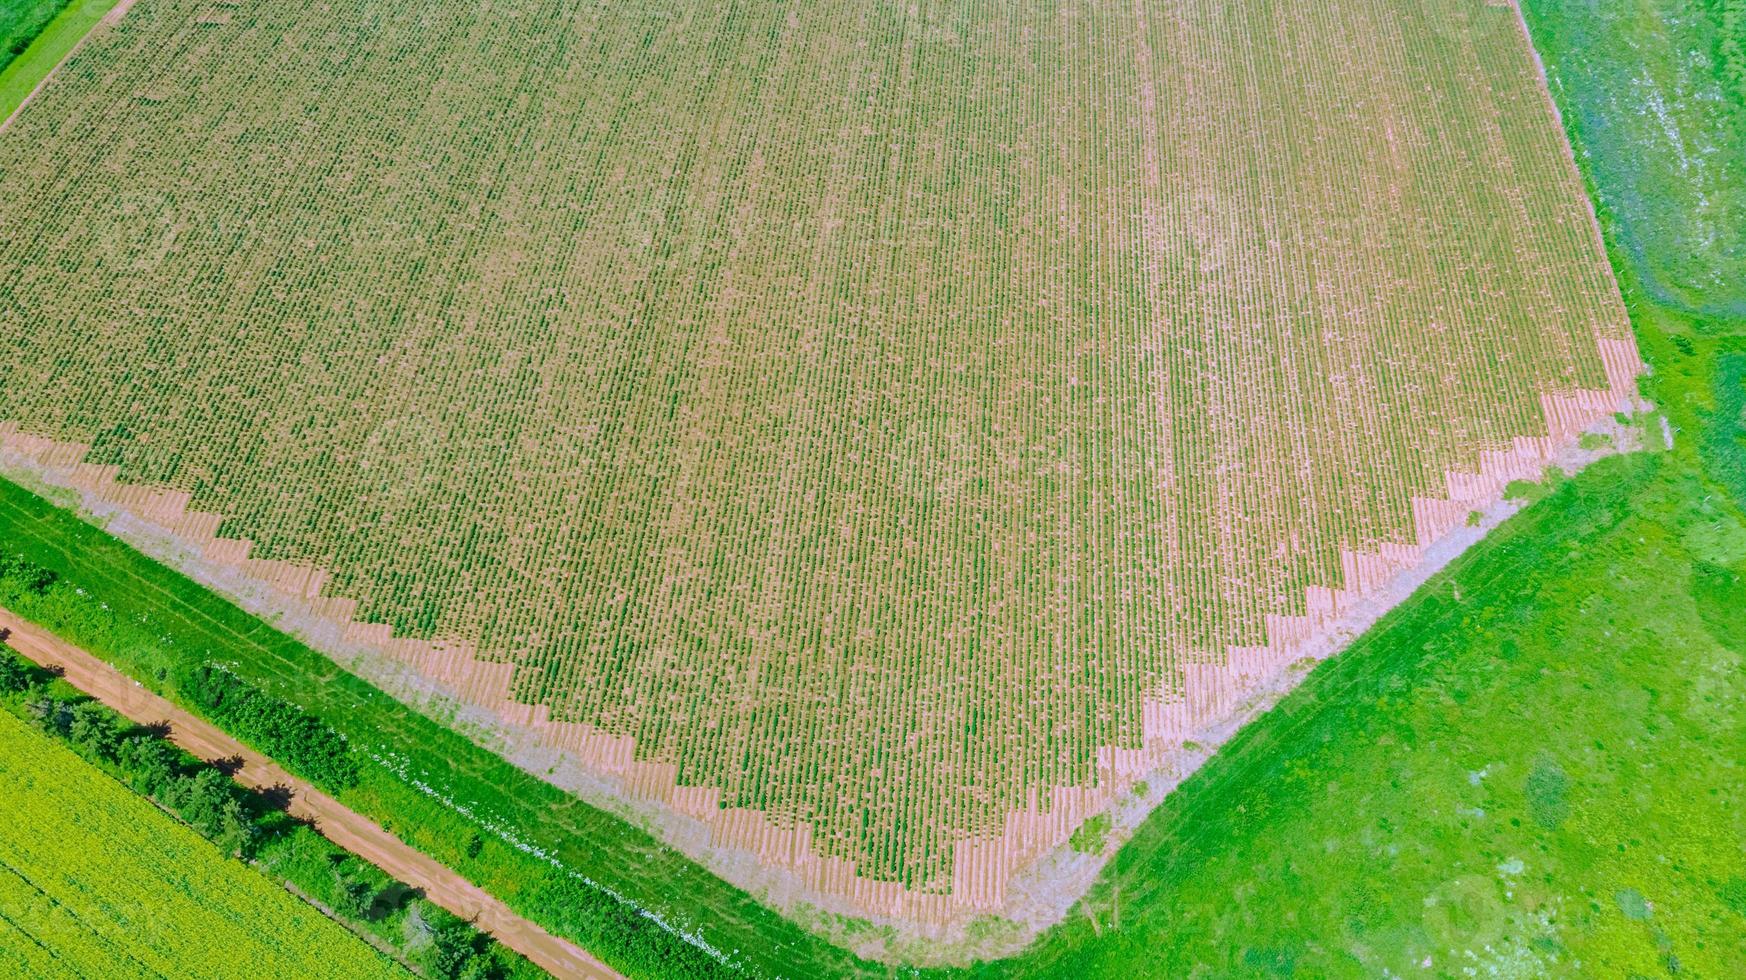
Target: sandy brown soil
pixel 334 820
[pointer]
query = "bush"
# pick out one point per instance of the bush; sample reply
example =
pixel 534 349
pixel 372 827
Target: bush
pixel 94 729
pixel 15 676
pixel 22 576
pixel 447 946
pixel 294 737
pixel 199 797
pixel 583 913
pixel 237 830
pixel 150 763
pixel 357 885
pixel 51 714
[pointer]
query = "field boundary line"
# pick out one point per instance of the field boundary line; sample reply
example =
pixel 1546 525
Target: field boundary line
pixel 1557 114
pixel 109 19
pixel 332 819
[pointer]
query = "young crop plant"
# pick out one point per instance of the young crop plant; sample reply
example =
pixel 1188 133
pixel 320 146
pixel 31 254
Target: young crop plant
pixel 870 437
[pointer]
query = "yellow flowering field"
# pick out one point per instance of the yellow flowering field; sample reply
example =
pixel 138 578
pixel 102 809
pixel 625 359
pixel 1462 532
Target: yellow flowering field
pixel 95 881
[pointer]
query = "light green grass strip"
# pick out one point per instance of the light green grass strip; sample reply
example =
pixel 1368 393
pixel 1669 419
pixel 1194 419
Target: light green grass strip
pixel 50 48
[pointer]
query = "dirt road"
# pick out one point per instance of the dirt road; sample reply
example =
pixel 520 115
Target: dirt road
pixel 339 824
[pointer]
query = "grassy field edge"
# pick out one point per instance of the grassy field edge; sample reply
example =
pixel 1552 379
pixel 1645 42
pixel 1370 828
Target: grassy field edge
pixel 26 72
pixel 245 805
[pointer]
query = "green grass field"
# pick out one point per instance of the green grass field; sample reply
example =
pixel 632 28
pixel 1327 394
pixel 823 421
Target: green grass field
pixel 1660 128
pixel 1532 766
pixel 1507 774
pixel 51 28
pixel 96 882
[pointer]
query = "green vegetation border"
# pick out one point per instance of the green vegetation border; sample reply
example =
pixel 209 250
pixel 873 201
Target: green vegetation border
pixel 582 873
pixel 245 824
pixel 51 47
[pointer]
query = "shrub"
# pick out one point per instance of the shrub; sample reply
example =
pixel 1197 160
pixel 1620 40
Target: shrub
pixel 447 946
pixel 51 714
pixel 23 576
pixel 15 676
pixel 294 737
pixel 94 729
pixel 150 763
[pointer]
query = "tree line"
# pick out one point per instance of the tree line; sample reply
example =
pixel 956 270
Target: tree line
pixel 253 826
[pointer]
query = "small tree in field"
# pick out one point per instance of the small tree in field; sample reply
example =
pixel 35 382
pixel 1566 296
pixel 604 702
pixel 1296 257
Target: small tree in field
pixel 15 677
pixel 94 729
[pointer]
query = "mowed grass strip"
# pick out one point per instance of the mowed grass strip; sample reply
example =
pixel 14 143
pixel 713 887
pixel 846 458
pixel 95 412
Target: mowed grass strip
pixel 23 71
pixel 95 881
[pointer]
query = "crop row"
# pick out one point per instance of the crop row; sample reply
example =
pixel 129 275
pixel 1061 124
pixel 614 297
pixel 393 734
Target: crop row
pixel 866 408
